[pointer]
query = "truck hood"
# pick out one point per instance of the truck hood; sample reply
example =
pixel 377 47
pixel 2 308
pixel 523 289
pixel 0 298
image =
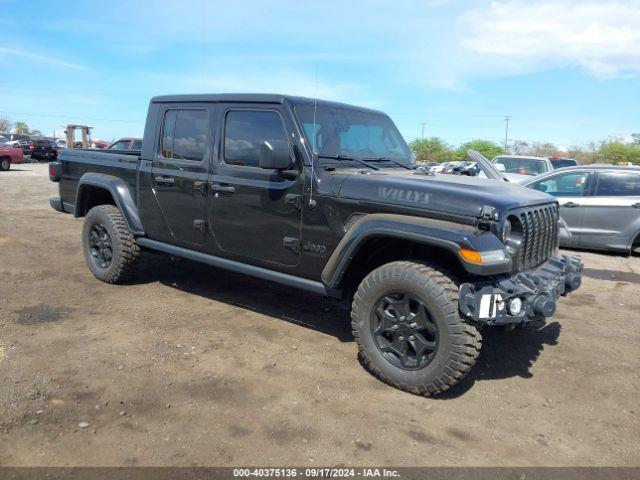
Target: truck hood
pixel 449 194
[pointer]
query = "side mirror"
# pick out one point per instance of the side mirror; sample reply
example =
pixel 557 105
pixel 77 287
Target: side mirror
pixel 275 155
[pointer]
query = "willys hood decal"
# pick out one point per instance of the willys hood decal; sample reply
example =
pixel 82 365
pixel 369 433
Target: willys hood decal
pixel 449 194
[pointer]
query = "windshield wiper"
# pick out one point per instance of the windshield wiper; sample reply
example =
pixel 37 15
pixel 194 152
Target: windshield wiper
pixel 344 157
pixel 387 159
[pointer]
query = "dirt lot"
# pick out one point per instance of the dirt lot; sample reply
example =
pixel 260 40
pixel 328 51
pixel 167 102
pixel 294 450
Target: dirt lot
pixel 191 365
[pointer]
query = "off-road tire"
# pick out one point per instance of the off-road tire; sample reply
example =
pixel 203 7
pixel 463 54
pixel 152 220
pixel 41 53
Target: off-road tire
pixel 458 344
pixel 5 164
pixel 125 250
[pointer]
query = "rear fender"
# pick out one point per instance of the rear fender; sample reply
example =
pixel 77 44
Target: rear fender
pixel 119 190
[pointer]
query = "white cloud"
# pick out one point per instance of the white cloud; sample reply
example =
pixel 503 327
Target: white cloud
pixel 41 58
pixel 277 81
pixel 601 37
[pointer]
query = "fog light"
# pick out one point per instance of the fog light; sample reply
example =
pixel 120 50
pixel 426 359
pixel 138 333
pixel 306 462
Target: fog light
pixel 515 306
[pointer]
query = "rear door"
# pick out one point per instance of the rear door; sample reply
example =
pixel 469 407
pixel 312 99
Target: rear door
pixel 570 189
pixel 180 169
pixel 613 212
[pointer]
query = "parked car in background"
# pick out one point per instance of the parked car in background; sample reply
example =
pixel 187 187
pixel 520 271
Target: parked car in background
pixel 25 145
pixel 9 155
pixel 522 165
pixel 15 136
pixel 127 143
pixel 443 167
pixel 600 205
pixel 557 162
pixel 44 150
pixel 99 144
pixel 470 169
pixel 3 140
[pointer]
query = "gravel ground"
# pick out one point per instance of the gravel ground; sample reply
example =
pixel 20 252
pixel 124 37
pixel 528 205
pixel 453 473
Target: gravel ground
pixel 190 365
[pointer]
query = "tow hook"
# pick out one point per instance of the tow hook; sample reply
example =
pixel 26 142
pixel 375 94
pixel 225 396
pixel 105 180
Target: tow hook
pixel 573 281
pixel 544 305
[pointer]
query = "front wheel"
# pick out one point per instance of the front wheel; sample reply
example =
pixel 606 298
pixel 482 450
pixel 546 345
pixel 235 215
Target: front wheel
pixel 408 329
pixel 5 164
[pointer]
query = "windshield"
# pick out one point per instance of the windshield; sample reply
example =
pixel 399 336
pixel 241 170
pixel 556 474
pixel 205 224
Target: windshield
pixel 521 166
pixel 352 133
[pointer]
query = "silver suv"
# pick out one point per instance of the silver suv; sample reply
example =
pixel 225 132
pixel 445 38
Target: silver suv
pixel 600 205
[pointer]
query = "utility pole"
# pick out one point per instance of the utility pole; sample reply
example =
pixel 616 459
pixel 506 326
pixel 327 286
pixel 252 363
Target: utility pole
pixel 424 124
pixel 507 119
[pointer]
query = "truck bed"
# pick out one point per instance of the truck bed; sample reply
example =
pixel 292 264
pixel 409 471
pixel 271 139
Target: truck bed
pixel 78 161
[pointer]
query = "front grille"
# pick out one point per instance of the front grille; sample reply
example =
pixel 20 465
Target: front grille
pixel 539 235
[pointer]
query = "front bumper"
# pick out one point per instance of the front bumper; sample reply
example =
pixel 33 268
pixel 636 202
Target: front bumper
pixel 495 301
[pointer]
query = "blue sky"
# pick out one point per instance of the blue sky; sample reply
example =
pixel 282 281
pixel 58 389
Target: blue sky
pixel 565 71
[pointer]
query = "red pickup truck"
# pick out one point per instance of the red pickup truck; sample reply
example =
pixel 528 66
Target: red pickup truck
pixel 9 155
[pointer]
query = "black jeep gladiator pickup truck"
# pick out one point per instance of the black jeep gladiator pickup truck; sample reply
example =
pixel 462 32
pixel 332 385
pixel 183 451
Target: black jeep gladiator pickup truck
pixel 326 197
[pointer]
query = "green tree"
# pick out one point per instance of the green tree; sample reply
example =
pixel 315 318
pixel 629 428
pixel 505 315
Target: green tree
pixel 485 147
pixel 519 147
pixel 635 138
pixel 21 128
pixel 432 149
pixel 618 152
pixel 583 154
pixel 5 124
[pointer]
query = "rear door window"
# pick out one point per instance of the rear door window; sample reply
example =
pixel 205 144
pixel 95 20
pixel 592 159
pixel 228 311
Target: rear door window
pixel 571 184
pixel 618 184
pixel 184 134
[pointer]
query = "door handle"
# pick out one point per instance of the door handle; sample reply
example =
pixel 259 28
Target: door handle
pixel 636 205
pixel 168 181
pixel 223 188
pixel 570 205
pixel 200 187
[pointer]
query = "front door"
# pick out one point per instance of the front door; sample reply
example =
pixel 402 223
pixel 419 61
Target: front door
pixel 570 190
pixel 613 212
pixel 255 213
pixel 180 170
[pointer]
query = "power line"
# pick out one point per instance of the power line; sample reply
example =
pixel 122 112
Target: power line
pixel 77 117
pixel 424 124
pixel 507 119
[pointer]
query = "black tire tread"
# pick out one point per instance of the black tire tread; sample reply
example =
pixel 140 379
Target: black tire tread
pixel 467 339
pixel 127 260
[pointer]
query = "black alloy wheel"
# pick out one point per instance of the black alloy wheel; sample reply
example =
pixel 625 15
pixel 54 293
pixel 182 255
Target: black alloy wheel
pixel 100 246
pixel 404 331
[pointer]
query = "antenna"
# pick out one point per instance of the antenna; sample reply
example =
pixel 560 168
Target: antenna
pixel 312 202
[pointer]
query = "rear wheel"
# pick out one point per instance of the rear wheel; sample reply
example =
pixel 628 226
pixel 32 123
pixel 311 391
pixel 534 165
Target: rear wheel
pixel 111 252
pixel 409 333
pixel 5 163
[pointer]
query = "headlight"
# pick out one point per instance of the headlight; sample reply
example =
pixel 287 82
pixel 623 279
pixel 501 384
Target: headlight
pixel 506 231
pixel 512 234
